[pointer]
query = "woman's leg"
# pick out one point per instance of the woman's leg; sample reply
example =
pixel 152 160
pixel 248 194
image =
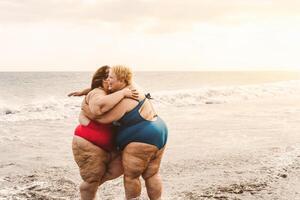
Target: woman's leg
pixel 114 168
pixel 92 162
pixel 152 177
pixel 135 159
pixel 88 190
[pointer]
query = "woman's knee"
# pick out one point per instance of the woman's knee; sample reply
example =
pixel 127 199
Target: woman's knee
pixel 88 187
pixel 133 171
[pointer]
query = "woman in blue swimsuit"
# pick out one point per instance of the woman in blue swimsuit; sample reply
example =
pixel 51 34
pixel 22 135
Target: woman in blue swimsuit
pixel 141 135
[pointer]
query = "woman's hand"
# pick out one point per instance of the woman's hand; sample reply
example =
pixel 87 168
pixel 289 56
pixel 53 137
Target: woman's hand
pixel 75 94
pixel 130 93
pixel 80 93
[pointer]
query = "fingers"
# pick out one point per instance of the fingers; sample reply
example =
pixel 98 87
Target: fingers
pixel 75 94
pixel 131 93
pixel 134 94
pixel 71 94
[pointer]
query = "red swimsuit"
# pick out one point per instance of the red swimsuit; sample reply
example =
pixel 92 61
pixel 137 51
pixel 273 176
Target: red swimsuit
pixel 98 134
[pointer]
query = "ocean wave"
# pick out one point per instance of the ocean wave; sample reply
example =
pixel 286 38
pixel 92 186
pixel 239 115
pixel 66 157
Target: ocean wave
pixel 57 108
pixel 219 95
pixel 48 109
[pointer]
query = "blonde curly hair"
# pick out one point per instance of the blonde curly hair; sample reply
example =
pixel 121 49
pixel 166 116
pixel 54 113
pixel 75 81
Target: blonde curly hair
pixel 123 73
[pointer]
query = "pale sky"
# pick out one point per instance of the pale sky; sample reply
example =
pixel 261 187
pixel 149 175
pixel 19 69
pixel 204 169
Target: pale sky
pixel 81 35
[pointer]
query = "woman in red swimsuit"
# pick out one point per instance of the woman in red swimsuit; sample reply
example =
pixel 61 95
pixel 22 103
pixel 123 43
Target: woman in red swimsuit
pixel 93 143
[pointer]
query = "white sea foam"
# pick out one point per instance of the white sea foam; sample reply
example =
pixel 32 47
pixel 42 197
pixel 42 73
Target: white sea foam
pixel 48 109
pixel 217 95
pixel 56 108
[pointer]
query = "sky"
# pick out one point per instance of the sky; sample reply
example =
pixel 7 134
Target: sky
pixel 81 35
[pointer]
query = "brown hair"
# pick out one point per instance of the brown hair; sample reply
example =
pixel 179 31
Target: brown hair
pixel 100 75
pixel 123 73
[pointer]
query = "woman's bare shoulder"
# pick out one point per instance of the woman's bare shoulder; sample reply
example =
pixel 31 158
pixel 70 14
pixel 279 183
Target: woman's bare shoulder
pixel 97 91
pixel 139 89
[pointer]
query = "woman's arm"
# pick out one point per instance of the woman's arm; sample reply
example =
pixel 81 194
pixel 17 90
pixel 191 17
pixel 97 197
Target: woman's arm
pixel 100 103
pixel 117 112
pixel 80 93
pixel 114 114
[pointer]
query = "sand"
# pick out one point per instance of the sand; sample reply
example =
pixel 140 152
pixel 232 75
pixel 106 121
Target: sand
pixel 237 150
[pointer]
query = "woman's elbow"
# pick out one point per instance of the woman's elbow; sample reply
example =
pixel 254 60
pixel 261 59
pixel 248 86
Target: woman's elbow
pixel 104 109
pixel 101 110
pixel 96 111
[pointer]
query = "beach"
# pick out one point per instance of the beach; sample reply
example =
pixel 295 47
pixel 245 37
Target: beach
pixel 231 137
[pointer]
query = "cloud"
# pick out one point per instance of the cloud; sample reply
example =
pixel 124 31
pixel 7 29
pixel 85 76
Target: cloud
pixel 147 16
pixel 153 15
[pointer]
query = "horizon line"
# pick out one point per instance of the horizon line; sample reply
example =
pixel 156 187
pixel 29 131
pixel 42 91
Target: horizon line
pixel 203 70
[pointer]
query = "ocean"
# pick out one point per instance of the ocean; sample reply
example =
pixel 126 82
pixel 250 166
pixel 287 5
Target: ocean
pixel 43 95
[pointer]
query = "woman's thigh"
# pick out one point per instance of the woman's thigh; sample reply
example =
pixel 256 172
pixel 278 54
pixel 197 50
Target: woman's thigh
pixel 114 167
pixel 136 157
pixel 90 159
pixel 154 164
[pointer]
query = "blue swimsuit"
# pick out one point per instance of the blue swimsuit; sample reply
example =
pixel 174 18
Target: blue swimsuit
pixel 132 127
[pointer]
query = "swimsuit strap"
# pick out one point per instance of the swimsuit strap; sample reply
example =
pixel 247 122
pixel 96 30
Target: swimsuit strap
pixel 140 104
pixel 148 96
